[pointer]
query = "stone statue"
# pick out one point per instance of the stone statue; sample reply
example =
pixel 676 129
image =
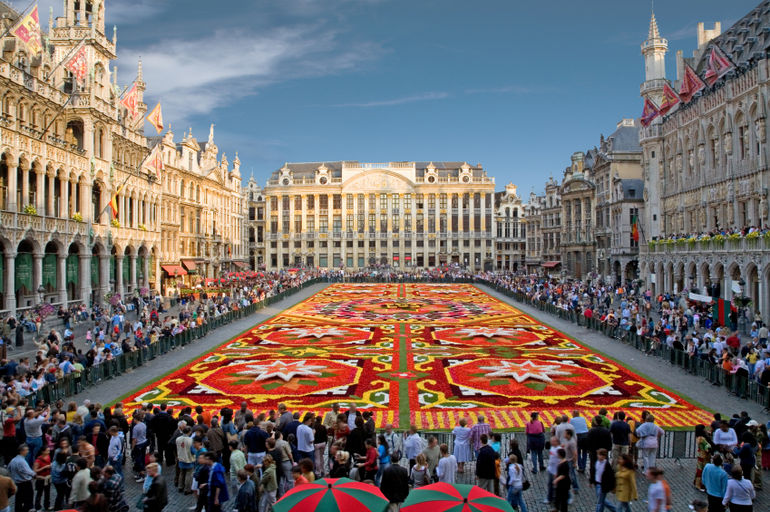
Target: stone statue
pixel 691 160
pixel 730 214
pixel 728 143
pixel 679 163
pixel 763 212
pixel 702 154
pixel 703 217
pixel 211 134
pixel 761 130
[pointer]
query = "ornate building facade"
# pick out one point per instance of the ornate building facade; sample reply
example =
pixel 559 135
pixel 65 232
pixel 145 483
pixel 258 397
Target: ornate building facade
pixel 511 240
pixel 255 232
pixel 399 214
pixel 705 169
pixel 617 174
pixel 578 241
pixel 67 148
pixel 550 225
pixel 533 217
pixel 202 214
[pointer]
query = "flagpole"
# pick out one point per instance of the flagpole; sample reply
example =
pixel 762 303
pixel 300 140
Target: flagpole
pixel 61 109
pixel 51 74
pixel 12 25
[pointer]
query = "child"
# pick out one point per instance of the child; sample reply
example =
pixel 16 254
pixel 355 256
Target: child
pixel 299 478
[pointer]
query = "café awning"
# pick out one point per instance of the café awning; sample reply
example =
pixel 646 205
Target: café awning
pixel 240 264
pixel 190 264
pixel 551 264
pixel 174 270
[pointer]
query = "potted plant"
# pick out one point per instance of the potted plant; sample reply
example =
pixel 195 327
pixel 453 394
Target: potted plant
pixel 115 223
pixel 30 210
pixel 77 217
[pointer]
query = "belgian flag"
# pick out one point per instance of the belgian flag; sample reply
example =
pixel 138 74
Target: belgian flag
pixel 635 228
pixel 114 201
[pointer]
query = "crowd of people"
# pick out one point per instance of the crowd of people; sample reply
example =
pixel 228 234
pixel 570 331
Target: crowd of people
pixel 250 459
pixel 666 319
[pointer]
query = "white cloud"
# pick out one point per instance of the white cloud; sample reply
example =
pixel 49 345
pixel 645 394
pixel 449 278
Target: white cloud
pixel 195 76
pixel 428 96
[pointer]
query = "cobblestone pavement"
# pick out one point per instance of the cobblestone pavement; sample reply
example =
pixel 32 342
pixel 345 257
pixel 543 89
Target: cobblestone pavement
pixel 679 473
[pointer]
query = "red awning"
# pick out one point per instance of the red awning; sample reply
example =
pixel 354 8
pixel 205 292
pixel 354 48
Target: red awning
pixel 174 270
pixel 240 264
pixel 190 264
pixel 551 264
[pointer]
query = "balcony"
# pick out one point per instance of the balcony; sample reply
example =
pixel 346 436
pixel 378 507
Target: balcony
pixel 727 246
pixel 24 222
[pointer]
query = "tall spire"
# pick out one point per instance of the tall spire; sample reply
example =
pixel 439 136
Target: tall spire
pixel 654 33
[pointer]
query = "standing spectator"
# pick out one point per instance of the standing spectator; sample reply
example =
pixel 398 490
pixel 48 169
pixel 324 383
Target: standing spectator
pixel 254 441
pixel 714 480
pixel 570 447
pixel 447 466
pixel 115 450
pixel 740 492
pixel 33 423
pixel 268 485
pixel 60 480
pixel 515 483
pixel 23 476
pixel 535 442
pixel 367 467
pixel 217 484
pixel 320 440
pixel 395 485
pixel 80 482
pixel 139 445
pixel 394 443
pixel 621 437
pixel 656 492
pixel 156 497
pixel 42 469
pixel 649 435
pixel 553 466
pixel 111 486
pixel 305 438
pixel 185 462
pixel 413 445
pixel 625 483
pixel 418 474
pixel 432 455
pixel 477 430
pixel 485 465
pixel 462 447
pixel 725 438
pixel 703 448
pixel 603 480
pixel 561 482
pixel 246 499
pixel 383 458
pixel 581 431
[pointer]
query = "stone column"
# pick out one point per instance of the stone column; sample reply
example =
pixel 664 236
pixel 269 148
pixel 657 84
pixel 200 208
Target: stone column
pixel 12 188
pixel 84 269
pixel 37 274
pixel 49 211
pixel 40 191
pixel 104 276
pixel 10 281
pixel 147 270
pixel 119 277
pixel 61 278
pixel 727 285
pixel 64 198
pixel 24 188
pixel 132 272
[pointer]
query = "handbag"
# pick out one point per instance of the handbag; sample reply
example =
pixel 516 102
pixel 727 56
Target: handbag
pixel 525 485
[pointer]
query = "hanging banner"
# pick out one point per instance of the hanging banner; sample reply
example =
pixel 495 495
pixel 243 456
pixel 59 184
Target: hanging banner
pixel 24 272
pixel 73 269
pixel 94 271
pixel 113 275
pixel 140 269
pixel 49 271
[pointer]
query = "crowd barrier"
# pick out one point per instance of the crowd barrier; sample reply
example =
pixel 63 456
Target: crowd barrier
pixel 738 383
pixel 73 384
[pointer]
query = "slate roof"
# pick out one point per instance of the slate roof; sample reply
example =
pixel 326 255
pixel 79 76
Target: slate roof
pixel 747 41
pixel 634 184
pixel 626 138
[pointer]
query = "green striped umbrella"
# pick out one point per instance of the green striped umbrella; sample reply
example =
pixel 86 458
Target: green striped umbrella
pixel 333 495
pixel 444 497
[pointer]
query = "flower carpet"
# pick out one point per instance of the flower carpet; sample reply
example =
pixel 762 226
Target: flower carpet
pixel 427 354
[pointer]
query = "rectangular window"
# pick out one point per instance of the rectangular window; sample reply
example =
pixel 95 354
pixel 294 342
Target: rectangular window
pixel 395 223
pixel 323 202
pixel 442 201
pixel 273 203
pixel 323 224
pixel 383 201
pixel 349 200
pixel 420 202
pixel 431 201
pixel 310 224
pixel 383 224
pixel 298 203
pixel 361 223
pixel 408 222
pixel 396 203
pixel 298 225
pixel 310 202
pixel 337 224
pixel 349 222
pixel 372 223
pixel 337 201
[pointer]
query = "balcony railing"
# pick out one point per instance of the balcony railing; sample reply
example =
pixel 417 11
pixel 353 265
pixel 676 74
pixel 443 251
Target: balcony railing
pixel 728 245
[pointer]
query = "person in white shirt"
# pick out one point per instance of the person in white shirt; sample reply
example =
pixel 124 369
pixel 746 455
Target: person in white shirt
pixel 515 483
pixel 413 445
pixel 740 492
pixel 725 436
pixel 305 438
pixel 656 493
pixel 447 466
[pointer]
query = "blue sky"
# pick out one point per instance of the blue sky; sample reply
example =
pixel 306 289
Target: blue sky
pixel 517 86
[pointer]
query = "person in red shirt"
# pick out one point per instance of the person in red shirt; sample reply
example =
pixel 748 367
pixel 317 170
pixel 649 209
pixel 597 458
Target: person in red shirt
pixel 299 479
pixel 42 469
pixel 734 342
pixel 368 467
pixel 9 443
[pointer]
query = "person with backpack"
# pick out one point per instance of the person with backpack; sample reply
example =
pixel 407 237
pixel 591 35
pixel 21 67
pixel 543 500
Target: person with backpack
pixel 419 475
pixel 515 482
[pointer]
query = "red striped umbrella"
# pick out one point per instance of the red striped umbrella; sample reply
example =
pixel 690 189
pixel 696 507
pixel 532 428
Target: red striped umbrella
pixel 444 497
pixel 333 495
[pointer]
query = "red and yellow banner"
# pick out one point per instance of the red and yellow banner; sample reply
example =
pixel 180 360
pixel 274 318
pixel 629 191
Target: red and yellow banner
pixel 28 32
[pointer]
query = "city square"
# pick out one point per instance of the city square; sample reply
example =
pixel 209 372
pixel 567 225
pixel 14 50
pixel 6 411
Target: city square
pixel 392 256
